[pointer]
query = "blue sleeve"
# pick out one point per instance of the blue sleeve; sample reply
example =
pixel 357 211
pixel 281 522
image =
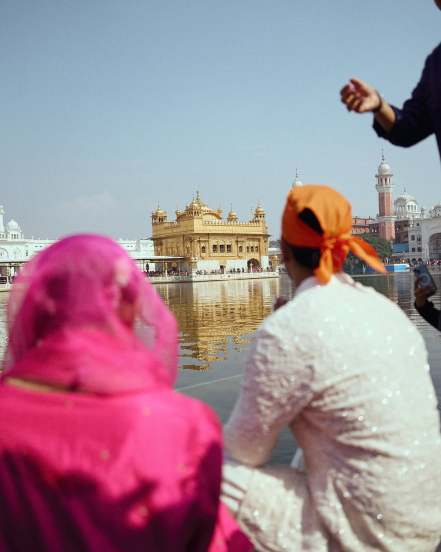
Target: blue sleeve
pixel 413 122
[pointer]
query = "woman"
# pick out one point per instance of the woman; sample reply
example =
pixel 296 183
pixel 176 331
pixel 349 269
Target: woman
pixel 345 370
pixel 97 453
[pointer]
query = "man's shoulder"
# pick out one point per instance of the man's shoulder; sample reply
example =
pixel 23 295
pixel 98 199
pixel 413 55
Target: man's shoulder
pixel 340 301
pixel 294 315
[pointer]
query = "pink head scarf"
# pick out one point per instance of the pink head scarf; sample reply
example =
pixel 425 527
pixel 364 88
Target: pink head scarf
pixel 66 321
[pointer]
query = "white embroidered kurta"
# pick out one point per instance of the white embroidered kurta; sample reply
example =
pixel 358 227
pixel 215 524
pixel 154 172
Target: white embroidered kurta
pixel 346 370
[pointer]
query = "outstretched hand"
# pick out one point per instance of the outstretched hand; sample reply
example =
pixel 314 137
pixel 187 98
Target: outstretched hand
pixel 359 96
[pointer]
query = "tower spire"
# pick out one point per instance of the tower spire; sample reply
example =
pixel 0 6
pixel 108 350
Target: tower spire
pixel 297 181
pixel 384 186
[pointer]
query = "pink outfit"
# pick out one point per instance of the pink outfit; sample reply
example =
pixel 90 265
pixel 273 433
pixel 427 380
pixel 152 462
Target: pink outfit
pixel 116 460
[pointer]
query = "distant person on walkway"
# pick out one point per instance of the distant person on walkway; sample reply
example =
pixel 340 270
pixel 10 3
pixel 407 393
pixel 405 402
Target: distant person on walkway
pixel 420 115
pixel 97 452
pixel 346 371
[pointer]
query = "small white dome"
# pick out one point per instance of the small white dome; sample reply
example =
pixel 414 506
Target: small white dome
pixel 405 198
pixel 406 206
pixel 13 225
pixel 384 169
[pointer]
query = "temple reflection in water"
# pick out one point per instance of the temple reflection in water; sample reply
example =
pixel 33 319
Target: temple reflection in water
pixel 213 315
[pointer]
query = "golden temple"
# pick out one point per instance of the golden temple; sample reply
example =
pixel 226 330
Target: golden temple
pixel 208 243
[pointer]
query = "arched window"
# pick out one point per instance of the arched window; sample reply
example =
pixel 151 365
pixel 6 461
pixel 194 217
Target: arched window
pixel 203 249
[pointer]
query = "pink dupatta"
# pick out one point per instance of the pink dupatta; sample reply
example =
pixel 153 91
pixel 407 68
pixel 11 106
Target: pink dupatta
pixel 84 319
pixel 65 325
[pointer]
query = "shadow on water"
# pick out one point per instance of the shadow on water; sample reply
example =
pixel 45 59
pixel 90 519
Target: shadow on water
pixel 217 321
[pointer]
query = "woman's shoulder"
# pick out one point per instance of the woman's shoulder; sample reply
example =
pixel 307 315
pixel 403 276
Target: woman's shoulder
pixel 179 409
pixel 138 412
pixel 195 409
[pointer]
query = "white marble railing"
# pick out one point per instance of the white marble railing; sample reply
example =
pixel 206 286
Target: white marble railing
pixel 212 277
pixel 197 278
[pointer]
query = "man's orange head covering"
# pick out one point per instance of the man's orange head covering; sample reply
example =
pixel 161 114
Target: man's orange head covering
pixel 334 215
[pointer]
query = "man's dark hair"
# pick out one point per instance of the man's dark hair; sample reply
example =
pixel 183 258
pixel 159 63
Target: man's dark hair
pixel 308 257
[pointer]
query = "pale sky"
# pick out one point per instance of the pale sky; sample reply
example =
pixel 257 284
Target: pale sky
pixel 108 108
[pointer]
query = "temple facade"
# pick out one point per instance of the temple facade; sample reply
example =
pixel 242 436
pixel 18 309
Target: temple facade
pixel 209 242
pixel 16 249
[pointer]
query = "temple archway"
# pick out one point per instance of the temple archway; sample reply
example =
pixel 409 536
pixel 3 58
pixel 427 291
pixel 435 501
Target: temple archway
pixel 253 264
pixel 435 246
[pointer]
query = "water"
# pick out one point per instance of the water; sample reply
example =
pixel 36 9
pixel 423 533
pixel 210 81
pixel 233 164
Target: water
pixel 217 322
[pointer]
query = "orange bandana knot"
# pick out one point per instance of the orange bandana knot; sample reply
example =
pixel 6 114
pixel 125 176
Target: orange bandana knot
pixel 334 214
pixel 333 253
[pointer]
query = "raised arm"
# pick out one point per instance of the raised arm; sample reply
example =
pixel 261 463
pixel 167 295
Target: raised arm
pixel 277 385
pixel 402 127
pixel 413 122
pixel 361 97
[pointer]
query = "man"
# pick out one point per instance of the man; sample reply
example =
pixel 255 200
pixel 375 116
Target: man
pixel 346 371
pixel 420 115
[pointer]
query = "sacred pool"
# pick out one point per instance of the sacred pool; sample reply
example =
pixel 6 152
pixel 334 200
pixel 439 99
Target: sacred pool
pixel 217 321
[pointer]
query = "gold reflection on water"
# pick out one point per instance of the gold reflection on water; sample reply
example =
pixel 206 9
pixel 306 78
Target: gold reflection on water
pixel 214 315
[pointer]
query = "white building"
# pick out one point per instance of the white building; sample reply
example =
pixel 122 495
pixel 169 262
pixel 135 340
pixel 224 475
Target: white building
pixel 424 227
pixel 414 227
pixel 15 249
pixel 406 207
pixel 431 234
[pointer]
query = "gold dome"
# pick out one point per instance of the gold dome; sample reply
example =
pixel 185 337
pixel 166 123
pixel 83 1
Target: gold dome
pixel 196 203
pixel 158 212
pixel 232 215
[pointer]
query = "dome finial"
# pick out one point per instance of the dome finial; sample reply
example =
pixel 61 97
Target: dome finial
pixel 382 154
pixel 297 181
